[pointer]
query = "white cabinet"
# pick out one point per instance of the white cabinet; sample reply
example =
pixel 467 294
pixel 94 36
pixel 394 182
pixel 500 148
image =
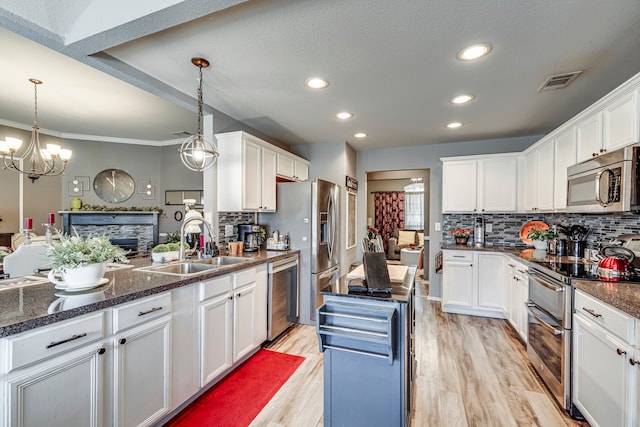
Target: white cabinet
pixel 615 126
pixel 472 283
pixel 216 326
pixel 484 184
pixel 457 279
pixel 603 377
pixel 564 156
pixel 142 367
pixel 69 356
pixel 540 177
pixel 516 294
pixel 246 173
pixel 244 311
pixel 260 314
pixel 490 281
pixel 292 168
pixel 142 360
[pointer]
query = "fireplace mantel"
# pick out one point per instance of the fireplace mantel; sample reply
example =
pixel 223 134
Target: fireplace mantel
pixel 117 224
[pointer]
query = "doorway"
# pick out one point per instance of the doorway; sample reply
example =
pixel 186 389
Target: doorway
pixel 414 185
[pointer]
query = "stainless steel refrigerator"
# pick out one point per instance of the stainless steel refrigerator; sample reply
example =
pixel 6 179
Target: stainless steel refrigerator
pixel 309 212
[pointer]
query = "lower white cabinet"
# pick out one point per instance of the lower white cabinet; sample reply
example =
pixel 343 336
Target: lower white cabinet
pixel 516 294
pixel 216 324
pixel 64 391
pixel 142 368
pixel 472 283
pixel 244 303
pixel 260 313
pixel 604 382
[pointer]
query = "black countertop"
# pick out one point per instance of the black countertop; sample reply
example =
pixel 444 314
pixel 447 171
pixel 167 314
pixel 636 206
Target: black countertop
pixel 399 292
pixel 27 307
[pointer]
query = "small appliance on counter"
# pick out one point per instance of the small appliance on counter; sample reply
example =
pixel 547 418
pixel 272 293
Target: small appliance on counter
pixel 251 236
pixel 478 233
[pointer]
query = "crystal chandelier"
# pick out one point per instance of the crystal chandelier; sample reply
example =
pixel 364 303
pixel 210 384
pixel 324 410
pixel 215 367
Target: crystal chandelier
pixel 37 161
pixel 198 152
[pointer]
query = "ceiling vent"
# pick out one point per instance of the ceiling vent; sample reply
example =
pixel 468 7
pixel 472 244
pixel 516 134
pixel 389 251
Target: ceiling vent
pixel 181 134
pixel 559 81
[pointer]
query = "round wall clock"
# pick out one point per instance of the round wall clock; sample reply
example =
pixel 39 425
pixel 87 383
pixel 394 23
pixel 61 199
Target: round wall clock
pixel 114 185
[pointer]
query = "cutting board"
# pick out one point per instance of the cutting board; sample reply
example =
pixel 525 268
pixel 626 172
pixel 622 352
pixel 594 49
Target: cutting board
pixel 397 273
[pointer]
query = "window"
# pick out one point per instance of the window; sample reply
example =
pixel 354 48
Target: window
pixel 414 206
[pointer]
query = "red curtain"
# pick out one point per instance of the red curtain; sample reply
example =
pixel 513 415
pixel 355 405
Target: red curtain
pixel 389 213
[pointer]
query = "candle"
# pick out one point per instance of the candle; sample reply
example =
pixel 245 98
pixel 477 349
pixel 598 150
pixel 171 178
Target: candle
pixel 51 219
pixel 28 224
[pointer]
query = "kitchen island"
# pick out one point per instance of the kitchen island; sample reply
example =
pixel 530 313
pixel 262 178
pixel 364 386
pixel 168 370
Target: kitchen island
pixel 369 354
pixel 131 351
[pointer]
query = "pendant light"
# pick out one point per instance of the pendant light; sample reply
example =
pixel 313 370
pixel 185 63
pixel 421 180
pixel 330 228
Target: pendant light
pixel 198 152
pixel 37 161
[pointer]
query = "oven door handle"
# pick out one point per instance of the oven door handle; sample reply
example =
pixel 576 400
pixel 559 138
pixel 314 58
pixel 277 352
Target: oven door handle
pixel 531 305
pixel 541 279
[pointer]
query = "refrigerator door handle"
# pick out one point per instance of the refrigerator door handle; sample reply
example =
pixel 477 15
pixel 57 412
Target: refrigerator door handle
pixel 331 226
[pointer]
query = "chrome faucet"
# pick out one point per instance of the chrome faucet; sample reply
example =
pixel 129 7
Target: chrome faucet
pixel 212 234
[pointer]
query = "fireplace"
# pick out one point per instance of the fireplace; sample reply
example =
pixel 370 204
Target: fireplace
pixel 127 228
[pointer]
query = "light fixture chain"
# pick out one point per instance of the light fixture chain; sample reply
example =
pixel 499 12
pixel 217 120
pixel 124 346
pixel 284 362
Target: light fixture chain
pixel 35 102
pixel 200 101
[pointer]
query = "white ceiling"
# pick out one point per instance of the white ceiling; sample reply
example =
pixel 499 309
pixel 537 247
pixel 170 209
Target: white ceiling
pixel 122 69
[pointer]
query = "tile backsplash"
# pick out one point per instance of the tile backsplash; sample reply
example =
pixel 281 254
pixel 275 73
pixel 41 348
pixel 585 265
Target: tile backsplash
pixel 506 227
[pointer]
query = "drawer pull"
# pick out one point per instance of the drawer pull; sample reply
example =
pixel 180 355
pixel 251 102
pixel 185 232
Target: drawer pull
pixel 73 338
pixel 102 350
pixel 633 362
pixel 123 341
pixel 620 352
pixel 143 313
pixel 592 312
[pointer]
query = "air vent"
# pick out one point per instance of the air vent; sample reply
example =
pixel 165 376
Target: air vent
pixel 559 81
pixel 181 134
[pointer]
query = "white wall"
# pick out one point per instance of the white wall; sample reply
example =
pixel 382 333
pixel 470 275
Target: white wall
pixel 426 157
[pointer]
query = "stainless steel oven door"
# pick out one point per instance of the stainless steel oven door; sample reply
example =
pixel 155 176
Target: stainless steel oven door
pixel 548 348
pixel 552 296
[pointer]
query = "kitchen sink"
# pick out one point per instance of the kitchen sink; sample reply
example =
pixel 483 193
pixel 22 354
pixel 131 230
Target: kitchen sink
pixel 226 260
pixel 180 269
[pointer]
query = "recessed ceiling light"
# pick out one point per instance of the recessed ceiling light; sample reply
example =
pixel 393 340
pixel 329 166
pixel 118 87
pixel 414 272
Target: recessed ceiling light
pixel 360 135
pixel 344 115
pixel 454 125
pixel 474 52
pixel 461 99
pixel 316 83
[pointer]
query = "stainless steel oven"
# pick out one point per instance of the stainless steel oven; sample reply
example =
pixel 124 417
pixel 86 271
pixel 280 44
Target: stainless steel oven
pixel 549 332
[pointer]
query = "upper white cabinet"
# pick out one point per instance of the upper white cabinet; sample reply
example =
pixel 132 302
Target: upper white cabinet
pixel 246 173
pixel 540 177
pixel 292 167
pixel 614 126
pixel 480 184
pixel 564 156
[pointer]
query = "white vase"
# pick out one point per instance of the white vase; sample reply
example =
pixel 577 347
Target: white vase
pixel 540 244
pixel 78 277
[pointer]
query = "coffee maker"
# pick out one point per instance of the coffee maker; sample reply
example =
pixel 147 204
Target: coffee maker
pixel 249 235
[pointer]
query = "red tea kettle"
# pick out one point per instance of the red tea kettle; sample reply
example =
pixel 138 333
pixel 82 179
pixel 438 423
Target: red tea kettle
pixel 616 262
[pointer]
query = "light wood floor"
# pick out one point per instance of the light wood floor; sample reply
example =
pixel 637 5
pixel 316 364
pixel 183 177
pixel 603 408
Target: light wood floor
pixel 472 371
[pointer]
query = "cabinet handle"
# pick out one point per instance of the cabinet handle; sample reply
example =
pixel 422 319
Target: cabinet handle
pixel 512 265
pixel 620 352
pixel 239 294
pixel 633 362
pixel 602 150
pixel 592 312
pixel 122 341
pixel 102 351
pixel 73 338
pixel 594 154
pixel 231 297
pixel 143 313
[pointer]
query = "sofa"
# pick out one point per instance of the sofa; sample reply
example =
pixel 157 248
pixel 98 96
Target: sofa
pixel 402 239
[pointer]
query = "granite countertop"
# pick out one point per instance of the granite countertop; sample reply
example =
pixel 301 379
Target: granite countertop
pixel 625 296
pixel 31 306
pixel 399 292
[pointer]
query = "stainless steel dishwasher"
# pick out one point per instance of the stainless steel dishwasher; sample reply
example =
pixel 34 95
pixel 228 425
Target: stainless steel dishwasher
pixel 282 308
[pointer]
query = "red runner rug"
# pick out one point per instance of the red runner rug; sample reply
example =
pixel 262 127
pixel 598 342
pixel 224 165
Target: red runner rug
pixel 240 396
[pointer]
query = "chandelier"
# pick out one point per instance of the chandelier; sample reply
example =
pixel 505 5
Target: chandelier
pixel 37 161
pixel 198 152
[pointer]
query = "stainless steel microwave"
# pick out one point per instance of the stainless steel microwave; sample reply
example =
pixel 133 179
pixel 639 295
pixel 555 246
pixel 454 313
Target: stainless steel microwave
pixel 606 183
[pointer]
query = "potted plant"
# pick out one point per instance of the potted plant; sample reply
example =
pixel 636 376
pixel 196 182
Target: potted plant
pixel 81 261
pixel 461 235
pixel 167 251
pixel 540 237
